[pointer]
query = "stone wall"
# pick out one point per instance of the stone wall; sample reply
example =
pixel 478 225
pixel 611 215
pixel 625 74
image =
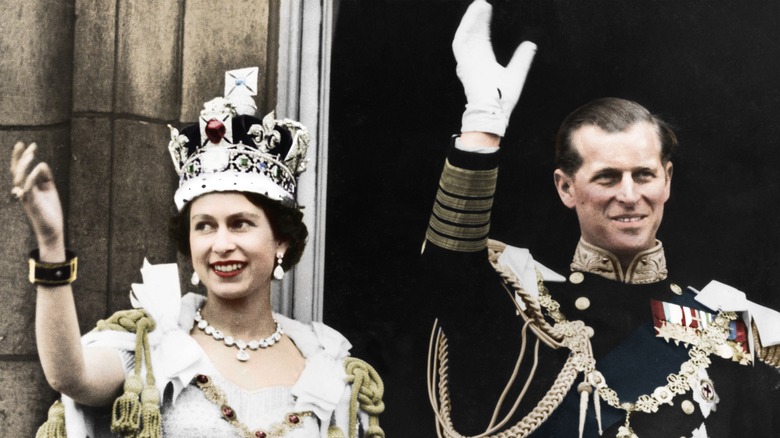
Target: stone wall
pixel 95 83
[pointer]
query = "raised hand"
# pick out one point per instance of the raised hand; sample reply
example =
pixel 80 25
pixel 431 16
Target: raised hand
pixel 36 191
pixel 492 90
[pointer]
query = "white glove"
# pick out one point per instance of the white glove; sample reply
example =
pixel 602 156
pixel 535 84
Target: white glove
pixel 491 89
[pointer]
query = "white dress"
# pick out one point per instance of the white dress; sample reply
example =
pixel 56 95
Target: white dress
pixel 177 360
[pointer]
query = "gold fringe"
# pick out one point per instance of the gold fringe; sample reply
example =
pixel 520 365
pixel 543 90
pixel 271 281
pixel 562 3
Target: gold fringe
pixel 150 413
pixel 126 412
pixel 54 427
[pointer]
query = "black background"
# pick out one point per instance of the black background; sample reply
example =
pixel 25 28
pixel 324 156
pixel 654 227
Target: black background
pixel 710 68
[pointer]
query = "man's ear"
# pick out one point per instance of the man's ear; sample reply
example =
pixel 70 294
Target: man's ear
pixel 668 168
pixel 564 185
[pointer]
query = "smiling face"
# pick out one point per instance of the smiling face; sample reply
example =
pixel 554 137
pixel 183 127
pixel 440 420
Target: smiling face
pixel 620 189
pixel 232 245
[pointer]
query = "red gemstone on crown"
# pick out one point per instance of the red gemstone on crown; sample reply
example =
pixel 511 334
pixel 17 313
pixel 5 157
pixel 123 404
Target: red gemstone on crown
pixel 215 130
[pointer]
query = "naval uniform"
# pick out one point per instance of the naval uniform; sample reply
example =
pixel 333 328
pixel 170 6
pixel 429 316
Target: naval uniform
pixel 483 330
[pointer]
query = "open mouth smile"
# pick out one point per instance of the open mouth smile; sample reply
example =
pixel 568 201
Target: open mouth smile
pixel 628 219
pixel 228 268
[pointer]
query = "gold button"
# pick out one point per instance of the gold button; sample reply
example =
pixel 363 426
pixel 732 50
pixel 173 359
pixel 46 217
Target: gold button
pixel 676 288
pixel 582 303
pixel 576 277
pixel 688 407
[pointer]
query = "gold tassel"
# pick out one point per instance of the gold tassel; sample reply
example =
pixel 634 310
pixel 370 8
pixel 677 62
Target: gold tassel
pixel 152 423
pixel 584 389
pixel 54 427
pixel 128 410
pixel 597 405
pixel 126 413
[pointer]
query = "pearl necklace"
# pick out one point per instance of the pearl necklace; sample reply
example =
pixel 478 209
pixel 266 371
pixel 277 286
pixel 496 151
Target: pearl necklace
pixel 242 345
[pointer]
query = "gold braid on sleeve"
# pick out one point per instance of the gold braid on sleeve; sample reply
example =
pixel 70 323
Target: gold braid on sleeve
pixel 460 220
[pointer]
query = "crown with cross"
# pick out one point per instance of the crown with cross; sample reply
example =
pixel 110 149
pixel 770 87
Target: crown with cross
pixel 232 150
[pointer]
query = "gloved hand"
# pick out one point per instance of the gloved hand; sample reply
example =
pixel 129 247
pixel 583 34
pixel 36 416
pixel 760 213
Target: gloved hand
pixel 491 89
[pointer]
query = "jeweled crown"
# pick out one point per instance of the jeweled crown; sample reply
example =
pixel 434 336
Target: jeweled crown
pixel 232 150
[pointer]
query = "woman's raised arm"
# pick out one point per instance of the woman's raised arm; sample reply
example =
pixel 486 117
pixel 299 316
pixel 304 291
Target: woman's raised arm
pixel 91 376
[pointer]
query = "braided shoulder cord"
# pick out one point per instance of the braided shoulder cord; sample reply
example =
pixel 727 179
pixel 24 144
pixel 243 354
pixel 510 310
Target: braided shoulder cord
pixel 571 335
pixel 437 365
pixel 367 392
pixel 546 333
pixel 129 416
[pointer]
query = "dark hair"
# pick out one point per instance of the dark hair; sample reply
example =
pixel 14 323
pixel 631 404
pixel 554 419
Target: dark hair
pixel 286 224
pixel 612 115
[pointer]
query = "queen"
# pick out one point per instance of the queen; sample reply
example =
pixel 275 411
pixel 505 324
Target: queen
pixel 223 364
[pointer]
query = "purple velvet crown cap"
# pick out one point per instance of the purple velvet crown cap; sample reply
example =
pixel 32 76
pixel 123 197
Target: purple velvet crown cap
pixel 231 150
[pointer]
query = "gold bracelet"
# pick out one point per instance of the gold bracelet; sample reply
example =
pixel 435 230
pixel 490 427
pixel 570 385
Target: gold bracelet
pixel 53 274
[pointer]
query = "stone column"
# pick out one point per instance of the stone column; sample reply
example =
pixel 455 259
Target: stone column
pixel 35 105
pixel 95 84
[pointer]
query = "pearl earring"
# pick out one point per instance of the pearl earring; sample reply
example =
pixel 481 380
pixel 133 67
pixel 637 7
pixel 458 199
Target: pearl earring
pixel 279 271
pixel 195 279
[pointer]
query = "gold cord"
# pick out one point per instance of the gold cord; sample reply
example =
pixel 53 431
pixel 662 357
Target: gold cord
pixel 367 392
pixel 438 394
pixel 574 336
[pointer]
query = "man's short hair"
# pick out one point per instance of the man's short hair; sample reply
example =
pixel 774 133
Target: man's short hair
pixel 612 115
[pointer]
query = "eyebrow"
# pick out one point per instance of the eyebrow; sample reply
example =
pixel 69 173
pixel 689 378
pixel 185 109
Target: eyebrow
pixel 239 215
pixel 614 171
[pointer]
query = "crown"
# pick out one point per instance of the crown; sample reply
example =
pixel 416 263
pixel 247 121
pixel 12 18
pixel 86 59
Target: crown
pixel 232 150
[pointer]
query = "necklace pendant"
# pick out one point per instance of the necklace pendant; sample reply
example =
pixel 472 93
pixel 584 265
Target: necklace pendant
pixel 626 431
pixel 242 355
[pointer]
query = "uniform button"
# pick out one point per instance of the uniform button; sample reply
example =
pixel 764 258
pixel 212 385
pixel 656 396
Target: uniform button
pixel 576 277
pixel 582 303
pixel 688 407
pixel 676 288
